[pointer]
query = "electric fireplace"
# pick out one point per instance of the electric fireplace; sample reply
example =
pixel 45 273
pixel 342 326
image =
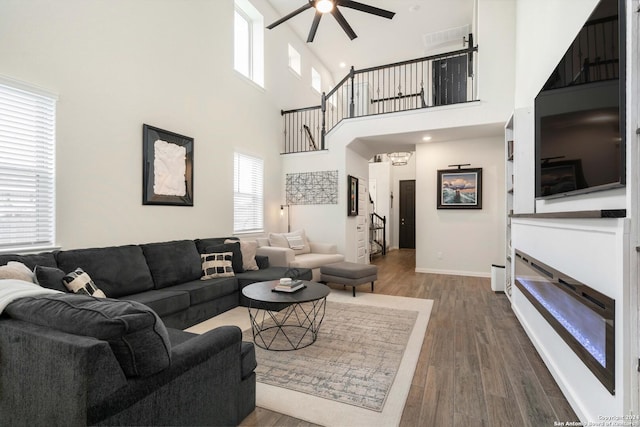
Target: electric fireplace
pixel 582 316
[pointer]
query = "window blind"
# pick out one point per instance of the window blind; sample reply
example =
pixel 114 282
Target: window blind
pixel 27 168
pixel 248 209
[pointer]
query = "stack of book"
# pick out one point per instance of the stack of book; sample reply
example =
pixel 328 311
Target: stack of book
pixel 288 285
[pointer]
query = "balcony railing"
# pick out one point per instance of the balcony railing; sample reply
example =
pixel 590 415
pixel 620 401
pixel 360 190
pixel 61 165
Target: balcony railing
pixel 431 81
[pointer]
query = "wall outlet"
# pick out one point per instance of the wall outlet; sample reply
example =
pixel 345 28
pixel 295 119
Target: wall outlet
pixel 439 255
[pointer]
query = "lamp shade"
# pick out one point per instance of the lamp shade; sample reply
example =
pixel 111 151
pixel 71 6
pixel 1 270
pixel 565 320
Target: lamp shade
pixel 399 158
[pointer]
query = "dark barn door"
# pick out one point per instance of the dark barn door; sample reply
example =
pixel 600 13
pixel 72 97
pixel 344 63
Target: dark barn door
pixel 407 233
pixel 450 80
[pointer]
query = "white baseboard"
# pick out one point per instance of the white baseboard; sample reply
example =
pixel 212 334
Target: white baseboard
pixel 454 272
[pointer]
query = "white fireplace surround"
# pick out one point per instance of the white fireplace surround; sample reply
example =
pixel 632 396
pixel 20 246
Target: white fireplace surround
pixel 592 251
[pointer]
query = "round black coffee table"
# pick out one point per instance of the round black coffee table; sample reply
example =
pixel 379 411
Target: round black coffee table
pixel 283 321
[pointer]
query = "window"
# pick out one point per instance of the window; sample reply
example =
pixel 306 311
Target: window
pixel 295 61
pixel 242 49
pixel 248 209
pixel 27 167
pixel 248 37
pixel 316 80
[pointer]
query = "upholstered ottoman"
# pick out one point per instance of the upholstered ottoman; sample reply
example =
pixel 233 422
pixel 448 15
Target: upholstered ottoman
pixel 349 274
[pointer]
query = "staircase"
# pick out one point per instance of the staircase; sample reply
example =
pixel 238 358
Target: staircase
pixel 377 235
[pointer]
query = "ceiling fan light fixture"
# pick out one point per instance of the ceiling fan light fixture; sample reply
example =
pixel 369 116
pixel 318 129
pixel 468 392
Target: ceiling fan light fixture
pixel 399 158
pixel 324 6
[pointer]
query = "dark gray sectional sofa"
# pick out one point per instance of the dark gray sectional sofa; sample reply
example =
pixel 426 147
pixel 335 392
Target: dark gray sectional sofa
pixel 53 372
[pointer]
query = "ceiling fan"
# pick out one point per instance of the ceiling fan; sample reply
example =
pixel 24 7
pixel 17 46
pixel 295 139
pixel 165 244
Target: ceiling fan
pixel 331 6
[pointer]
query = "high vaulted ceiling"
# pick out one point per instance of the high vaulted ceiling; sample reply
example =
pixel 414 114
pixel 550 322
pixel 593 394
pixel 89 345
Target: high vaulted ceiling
pixel 381 41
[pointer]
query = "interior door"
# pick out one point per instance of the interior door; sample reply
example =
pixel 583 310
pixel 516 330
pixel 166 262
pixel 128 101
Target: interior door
pixel 450 80
pixel 362 244
pixel 407 208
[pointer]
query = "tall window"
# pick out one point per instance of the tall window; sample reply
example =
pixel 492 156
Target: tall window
pixel 316 80
pixel 248 47
pixel 27 167
pixel 248 207
pixel 295 62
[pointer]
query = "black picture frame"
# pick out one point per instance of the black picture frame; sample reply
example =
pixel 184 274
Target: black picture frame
pixel 176 195
pixel 352 196
pixel 460 188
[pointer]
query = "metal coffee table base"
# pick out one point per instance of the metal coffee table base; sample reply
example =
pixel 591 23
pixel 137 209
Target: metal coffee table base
pixel 291 328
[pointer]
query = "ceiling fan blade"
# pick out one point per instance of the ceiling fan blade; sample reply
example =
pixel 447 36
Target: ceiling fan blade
pixel 343 23
pixel 366 8
pixel 314 26
pixel 291 15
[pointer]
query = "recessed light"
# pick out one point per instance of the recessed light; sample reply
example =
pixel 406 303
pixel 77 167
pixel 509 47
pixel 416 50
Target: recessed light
pixel 342 65
pixel 426 138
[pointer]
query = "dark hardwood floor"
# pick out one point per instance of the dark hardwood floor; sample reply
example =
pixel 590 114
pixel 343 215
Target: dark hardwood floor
pixel 477 367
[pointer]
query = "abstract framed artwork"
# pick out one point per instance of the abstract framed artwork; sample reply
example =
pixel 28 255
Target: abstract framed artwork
pixel 460 188
pixel 352 195
pixel 167 170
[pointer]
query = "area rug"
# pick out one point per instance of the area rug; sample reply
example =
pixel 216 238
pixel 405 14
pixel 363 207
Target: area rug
pixel 362 364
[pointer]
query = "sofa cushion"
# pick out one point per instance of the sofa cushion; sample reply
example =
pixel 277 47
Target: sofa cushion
pixel 262 262
pixel 201 291
pixel 313 260
pixel 117 270
pixel 217 265
pixel 173 262
pixel 46 259
pixel 16 270
pixel 163 301
pixel 136 335
pixel 203 244
pixel 50 277
pixel 234 248
pixel 79 282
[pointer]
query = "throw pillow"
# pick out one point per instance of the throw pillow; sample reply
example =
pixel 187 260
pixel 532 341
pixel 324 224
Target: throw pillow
pixel 138 338
pixel 262 241
pixel 16 270
pixel 248 249
pixel 79 282
pixel 232 246
pixel 299 239
pixel 278 240
pixel 295 241
pixel 217 265
pixel 50 277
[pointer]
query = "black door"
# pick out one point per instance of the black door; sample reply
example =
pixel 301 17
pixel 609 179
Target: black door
pixel 450 80
pixel 407 233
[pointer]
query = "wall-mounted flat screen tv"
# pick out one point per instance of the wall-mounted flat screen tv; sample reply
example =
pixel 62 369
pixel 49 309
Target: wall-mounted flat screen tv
pixel 580 114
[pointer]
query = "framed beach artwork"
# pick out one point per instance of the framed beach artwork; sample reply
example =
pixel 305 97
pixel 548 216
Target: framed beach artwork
pixel 167 170
pixel 460 188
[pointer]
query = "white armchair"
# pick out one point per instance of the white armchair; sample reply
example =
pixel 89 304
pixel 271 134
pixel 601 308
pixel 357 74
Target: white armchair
pixel 295 250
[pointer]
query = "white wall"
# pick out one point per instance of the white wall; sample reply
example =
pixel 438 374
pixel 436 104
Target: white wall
pixel 544 29
pixel 464 242
pixel 381 172
pixel 118 64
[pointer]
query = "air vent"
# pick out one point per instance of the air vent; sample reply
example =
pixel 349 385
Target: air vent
pixel 445 37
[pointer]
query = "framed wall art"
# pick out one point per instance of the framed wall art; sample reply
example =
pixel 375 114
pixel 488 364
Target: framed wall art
pixel 167 170
pixel 352 195
pixel 460 188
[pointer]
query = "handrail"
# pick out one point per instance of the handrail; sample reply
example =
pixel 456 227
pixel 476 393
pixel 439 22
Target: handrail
pixel 377 227
pixel 444 78
pixel 424 58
